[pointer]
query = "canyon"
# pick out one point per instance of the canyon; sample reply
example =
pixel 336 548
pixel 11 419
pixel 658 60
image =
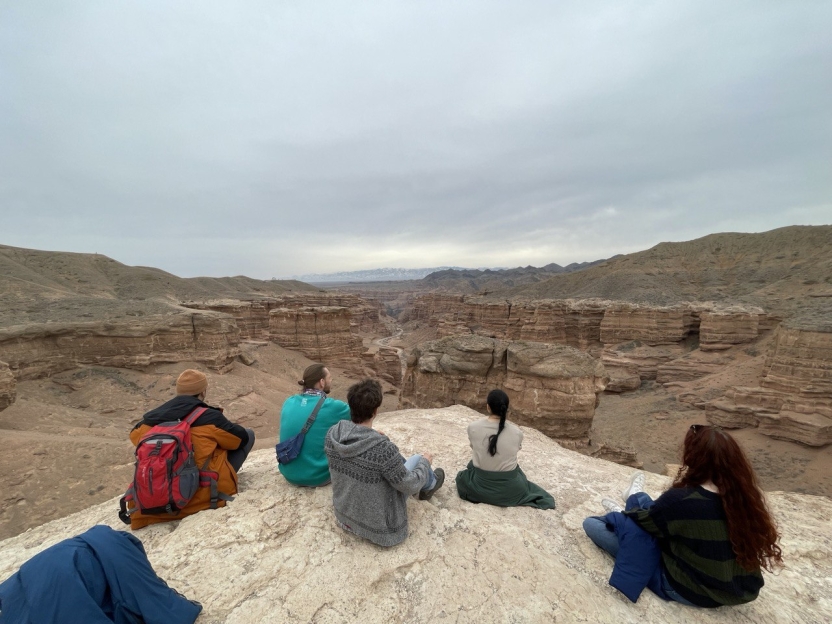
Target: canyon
pixel 87 345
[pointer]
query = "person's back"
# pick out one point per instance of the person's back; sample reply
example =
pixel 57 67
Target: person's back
pixel 219 445
pixel 310 468
pixel 371 480
pixel 493 475
pixel 505 457
pixel 705 541
pixel 697 554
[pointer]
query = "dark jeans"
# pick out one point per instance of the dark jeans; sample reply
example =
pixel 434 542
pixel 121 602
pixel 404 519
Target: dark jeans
pixel 604 537
pixel 238 456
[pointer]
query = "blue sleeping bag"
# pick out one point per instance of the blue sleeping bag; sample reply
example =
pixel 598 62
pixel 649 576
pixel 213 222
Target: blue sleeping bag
pixel 99 577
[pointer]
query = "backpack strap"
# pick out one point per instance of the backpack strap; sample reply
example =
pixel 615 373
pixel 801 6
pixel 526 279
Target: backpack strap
pixel 313 415
pixel 124 513
pixel 208 478
pixel 196 413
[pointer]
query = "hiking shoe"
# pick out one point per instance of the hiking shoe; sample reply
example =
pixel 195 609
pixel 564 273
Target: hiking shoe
pixel 636 485
pixel 610 505
pixel 440 479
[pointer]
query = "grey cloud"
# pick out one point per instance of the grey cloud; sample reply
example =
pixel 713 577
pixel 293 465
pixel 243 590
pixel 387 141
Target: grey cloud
pixel 297 136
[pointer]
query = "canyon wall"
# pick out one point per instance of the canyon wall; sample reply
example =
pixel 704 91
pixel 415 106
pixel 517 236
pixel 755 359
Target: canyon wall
pixel 252 316
pixel 669 344
pixel 794 399
pixel 42 349
pixel 553 388
pixel 323 334
pixel 636 342
pixel 387 362
pixel 8 389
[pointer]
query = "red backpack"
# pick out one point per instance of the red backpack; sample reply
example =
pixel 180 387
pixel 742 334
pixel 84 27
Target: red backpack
pixel 166 476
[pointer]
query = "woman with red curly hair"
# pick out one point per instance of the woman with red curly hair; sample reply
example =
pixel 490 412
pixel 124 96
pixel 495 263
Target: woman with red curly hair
pixel 705 540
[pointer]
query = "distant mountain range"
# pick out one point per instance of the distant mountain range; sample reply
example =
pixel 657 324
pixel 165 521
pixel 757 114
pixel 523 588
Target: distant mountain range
pixel 375 275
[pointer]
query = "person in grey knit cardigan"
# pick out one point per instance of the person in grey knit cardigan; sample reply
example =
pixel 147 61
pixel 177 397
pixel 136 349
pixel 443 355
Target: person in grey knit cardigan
pixel 371 480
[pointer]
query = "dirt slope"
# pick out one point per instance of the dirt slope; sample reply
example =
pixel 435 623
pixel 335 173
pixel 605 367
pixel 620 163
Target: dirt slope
pixel 782 270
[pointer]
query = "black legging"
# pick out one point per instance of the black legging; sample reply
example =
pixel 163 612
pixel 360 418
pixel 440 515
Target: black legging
pixel 238 456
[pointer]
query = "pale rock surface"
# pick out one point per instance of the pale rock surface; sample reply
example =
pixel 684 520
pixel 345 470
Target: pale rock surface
pixel 553 388
pixel 8 386
pixel 43 349
pixel 276 555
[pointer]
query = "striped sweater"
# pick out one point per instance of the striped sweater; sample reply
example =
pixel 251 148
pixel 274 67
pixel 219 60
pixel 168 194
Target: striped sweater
pixel 690 527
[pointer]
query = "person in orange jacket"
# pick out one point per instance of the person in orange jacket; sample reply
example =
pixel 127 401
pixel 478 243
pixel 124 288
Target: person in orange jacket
pixel 223 444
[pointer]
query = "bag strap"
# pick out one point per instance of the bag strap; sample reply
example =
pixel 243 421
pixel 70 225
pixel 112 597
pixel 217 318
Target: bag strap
pixel 191 418
pixel 313 415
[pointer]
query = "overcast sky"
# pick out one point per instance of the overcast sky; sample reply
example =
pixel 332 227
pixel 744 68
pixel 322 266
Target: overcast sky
pixel 280 138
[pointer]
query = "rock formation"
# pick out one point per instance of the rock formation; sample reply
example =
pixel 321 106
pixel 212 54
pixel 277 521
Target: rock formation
pixel 690 366
pixel 387 362
pixel 8 391
pixel 721 329
pixel 40 350
pixel 252 315
pixel 321 333
pixel 553 388
pixel 636 342
pixel 366 315
pixel 794 399
pixel 652 325
pixel 284 559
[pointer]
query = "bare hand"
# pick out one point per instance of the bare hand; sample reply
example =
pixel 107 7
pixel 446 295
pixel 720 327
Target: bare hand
pixel 381 432
pixel 428 456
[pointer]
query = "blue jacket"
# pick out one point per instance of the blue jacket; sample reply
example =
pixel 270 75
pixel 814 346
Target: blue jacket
pixel 99 577
pixel 638 562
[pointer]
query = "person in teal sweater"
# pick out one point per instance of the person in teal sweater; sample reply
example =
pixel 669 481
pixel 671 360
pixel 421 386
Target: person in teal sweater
pixel 310 468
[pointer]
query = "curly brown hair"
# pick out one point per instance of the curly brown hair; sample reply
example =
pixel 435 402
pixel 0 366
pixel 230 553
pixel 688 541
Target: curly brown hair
pixel 711 454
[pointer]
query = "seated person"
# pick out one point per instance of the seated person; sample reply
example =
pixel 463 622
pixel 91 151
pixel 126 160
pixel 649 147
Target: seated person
pixel 220 446
pixel 704 541
pixel 492 475
pixel 97 577
pixel 310 468
pixel 371 481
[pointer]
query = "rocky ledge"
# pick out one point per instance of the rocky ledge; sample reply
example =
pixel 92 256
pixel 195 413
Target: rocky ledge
pixel 275 553
pixel 42 349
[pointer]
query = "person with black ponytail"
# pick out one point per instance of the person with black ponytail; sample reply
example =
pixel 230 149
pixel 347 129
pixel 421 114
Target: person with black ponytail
pixel 493 475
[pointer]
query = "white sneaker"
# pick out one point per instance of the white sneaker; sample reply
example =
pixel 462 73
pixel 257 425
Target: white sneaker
pixel 636 485
pixel 610 505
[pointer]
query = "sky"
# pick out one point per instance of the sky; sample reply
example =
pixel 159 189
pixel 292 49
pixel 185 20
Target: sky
pixel 273 139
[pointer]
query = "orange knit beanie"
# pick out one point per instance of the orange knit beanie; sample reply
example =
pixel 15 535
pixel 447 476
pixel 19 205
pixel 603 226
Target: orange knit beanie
pixel 191 382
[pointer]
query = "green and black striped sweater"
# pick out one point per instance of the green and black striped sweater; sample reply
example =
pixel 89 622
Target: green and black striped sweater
pixel 690 527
